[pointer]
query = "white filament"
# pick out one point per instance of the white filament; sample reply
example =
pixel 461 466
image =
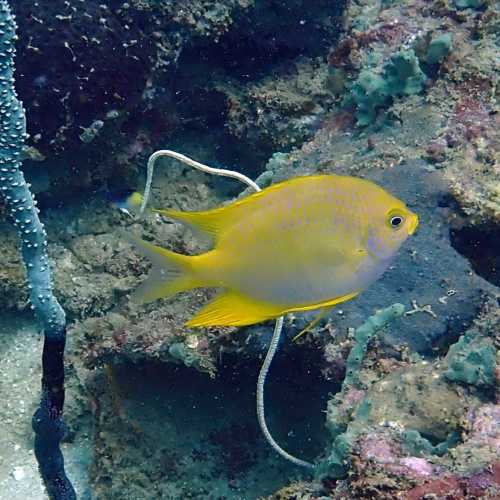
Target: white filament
pixel 260 397
pixel 261 380
pixel 199 166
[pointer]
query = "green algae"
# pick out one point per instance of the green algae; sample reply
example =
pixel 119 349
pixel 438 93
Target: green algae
pixel 362 336
pixel 472 361
pixel 439 48
pixel 401 76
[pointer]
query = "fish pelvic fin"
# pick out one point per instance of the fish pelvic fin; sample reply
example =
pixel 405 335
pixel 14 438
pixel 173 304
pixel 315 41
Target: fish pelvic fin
pixel 326 307
pixel 232 309
pixel 322 313
pixel 171 272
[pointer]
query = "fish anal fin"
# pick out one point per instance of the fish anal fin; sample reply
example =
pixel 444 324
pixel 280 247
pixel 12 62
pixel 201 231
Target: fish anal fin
pixel 327 303
pixel 232 309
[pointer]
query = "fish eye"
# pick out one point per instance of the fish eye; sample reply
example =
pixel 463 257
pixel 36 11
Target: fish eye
pixel 396 221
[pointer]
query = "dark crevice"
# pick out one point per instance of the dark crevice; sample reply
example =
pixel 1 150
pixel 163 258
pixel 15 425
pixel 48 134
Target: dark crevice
pixel 256 46
pixel 271 34
pixel 296 397
pixel 480 245
pixel 187 102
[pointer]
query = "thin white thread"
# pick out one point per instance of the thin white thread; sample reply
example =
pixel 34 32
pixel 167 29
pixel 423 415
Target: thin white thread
pixel 273 345
pixel 195 164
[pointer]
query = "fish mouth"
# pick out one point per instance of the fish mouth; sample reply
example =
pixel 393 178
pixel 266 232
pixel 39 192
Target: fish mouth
pixel 413 224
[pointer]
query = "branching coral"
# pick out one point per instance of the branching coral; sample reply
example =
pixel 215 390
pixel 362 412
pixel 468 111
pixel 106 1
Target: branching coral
pixel 338 421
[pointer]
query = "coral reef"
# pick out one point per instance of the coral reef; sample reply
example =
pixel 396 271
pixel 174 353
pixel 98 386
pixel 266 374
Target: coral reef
pixel 12 273
pixel 282 109
pixel 407 99
pixel 413 431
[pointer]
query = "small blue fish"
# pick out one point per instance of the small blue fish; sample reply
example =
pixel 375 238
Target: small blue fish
pixel 127 201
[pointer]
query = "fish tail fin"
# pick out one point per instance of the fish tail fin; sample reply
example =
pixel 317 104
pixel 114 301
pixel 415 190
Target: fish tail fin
pixel 232 309
pixel 171 272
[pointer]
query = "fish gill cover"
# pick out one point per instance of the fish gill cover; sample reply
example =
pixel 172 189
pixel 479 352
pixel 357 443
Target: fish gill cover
pixel 400 93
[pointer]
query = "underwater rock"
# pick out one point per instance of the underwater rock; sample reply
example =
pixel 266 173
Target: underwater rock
pixel 418 399
pixel 100 57
pixel 13 293
pixel 414 412
pixel 414 425
pixel 282 109
pixel 483 484
pixel 109 91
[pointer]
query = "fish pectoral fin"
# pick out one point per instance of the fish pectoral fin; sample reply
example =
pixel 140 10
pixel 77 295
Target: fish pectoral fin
pixel 322 313
pixel 232 309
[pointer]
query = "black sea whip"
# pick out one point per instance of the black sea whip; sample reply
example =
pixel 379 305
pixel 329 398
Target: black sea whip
pixel 47 421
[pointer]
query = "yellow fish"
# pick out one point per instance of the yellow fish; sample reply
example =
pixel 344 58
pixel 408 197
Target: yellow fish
pixel 306 243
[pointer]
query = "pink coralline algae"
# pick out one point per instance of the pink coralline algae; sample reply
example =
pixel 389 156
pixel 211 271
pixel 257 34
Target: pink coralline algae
pixel 384 451
pixel 419 466
pixel 485 425
pixel 484 484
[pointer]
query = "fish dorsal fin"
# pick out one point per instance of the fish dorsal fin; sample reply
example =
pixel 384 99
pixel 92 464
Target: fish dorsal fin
pixel 214 222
